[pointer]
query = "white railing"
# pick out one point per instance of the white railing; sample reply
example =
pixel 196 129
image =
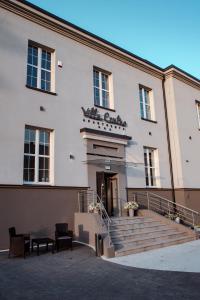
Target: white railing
pixel 166 207
pixel 89 197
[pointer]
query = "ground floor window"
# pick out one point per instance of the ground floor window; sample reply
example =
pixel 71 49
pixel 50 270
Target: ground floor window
pixel 150 166
pixel 36 155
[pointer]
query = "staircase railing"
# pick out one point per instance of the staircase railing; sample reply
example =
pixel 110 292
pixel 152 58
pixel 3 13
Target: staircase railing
pixel 88 198
pixel 168 208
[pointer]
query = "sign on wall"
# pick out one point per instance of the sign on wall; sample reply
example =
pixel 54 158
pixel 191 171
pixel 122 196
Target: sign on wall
pixel 92 113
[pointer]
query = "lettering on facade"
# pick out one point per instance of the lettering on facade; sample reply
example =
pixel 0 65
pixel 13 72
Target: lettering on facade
pixel 92 113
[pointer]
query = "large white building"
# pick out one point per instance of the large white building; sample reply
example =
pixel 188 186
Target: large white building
pixel 78 112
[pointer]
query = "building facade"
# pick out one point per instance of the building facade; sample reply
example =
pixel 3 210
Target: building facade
pixel 78 112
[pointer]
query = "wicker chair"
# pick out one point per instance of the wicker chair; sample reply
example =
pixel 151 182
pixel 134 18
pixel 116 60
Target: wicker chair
pixel 63 236
pixel 19 243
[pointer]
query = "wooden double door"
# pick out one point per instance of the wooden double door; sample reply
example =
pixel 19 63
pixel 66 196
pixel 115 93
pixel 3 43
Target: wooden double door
pixel 107 189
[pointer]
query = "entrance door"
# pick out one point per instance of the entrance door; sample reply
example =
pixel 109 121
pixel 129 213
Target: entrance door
pixel 108 191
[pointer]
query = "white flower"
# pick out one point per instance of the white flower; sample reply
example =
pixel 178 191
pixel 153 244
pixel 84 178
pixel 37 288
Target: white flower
pixel 94 207
pixel 131 205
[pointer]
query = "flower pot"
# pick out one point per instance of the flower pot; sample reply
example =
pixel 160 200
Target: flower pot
pixel 131 212
pixel 178 220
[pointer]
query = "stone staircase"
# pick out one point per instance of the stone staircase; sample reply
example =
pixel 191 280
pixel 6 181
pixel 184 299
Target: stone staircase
pixel 143 233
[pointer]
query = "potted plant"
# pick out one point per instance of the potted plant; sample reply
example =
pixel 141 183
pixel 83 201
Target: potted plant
pixel 131 206
pixel 171 216
pixel 94 208
pixel 178 218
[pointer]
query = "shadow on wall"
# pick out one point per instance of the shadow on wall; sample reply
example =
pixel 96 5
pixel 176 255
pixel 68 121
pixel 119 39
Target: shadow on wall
pixel 83 236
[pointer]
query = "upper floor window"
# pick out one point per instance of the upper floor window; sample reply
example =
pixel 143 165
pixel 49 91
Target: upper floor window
pixel 198 111
pixel 39 68
pixel 101 88
pixel 146 109
pixel 36 155
pixel 150 166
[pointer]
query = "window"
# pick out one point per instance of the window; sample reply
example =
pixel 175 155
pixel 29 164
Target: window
pixel 101 88
pixel 149 164
pixel 198 111
pixel 145 103
pixel 36 155
pixel 39 65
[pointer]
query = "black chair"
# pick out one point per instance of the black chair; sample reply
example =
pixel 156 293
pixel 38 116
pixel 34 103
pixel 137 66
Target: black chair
pixel 19 243
pixel 63 236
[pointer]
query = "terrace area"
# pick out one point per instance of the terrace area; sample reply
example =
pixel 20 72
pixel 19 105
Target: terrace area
pixel 79 274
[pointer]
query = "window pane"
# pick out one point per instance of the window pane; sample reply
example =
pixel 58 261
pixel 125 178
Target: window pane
pixel 26 161
pixel 48 86
pixel 31 162
pixel 46 137
pixel 41 150
pixel 141 110
pixel 43 86
pixel 96 78
pixel 41 136
pixel 41 163
pixel 105 99
pixel 146 177
pixel 43 176
pixel 31 175
pixel 96 96
pixel 34 82
pixel 46 163
pixel 32 148
pixel 25 174
pixel 46 150
pixel 148 112
pixel 104 81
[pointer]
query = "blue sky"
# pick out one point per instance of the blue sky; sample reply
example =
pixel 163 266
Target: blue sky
pixel 164 32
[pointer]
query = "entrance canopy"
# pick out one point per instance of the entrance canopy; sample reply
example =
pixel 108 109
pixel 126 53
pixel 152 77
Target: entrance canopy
pixel 112 162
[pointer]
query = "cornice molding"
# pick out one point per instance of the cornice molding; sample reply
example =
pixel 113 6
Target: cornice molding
pixel 182 77
pixel 51 23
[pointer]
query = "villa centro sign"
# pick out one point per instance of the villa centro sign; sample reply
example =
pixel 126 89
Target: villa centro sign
pixel 92 113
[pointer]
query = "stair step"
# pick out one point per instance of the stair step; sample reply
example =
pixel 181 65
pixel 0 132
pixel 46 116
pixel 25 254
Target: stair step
pixel 133 221
pixel 129 219
pixel 135 224
pixel 130 250
pixel 138 227
pixel 143 241
pixel 143 235
pixel 140 231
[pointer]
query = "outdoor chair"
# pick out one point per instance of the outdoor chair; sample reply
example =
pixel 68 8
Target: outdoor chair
pixel 19 243
pixel 63 236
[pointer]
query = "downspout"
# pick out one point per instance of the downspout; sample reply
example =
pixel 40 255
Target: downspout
pixel 168 140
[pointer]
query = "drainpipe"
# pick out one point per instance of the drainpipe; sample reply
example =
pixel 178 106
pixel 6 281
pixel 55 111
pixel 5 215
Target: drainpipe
pixel 168 141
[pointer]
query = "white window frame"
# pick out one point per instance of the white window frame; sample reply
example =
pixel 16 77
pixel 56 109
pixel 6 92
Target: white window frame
pixel 198 112
pixel 144 103
pixel 101 72
pixel 39 68
pixel 37 156
pixel 148 167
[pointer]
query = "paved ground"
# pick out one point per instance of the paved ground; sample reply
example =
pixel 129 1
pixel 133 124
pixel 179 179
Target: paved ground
pixel 80 275
pixel 183 258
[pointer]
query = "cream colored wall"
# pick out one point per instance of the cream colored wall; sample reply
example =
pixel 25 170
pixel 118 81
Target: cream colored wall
pixel 74 86
pixel 183 122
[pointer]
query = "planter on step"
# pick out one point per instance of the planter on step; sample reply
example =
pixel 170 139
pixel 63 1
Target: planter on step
pixel 131 212
pixel 178 220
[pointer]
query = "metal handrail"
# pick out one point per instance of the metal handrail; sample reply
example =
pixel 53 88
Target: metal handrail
pixel 93 197
pixel 163 205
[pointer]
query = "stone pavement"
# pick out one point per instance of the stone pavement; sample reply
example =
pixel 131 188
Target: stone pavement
pixel 81 275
